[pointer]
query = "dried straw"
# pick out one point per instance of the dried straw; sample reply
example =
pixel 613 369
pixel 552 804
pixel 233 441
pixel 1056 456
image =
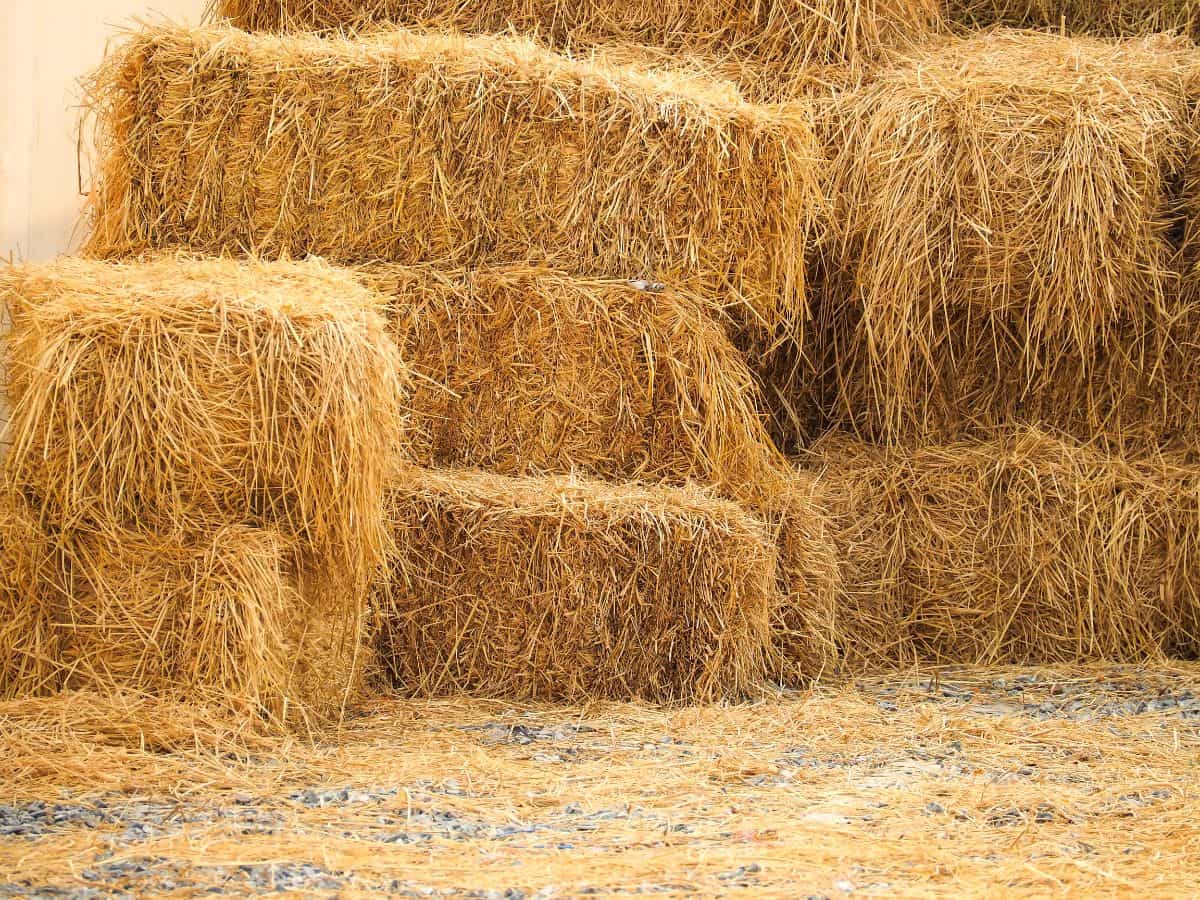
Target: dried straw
pixel 31 589
pixel 1005 207
pixel 160 396
pixel 1109 18
pixel 223 619
pixel 519 370
pixel 932 784
pixel 218 620
pixel 781 37
pixel 414 148
pixel 523 371
pixel 1021 549
pixel 559 588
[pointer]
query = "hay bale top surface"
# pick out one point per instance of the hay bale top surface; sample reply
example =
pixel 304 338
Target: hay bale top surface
pixel 568 496
pixel 456 57
pixel 1017 62
pixel 88 290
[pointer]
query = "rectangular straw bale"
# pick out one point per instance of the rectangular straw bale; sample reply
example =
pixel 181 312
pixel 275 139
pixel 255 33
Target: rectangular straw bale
pixel 565 589
pixel 1005 208
pixel 1022 549
pixel 521 371
pixel 155 394
pixel 221 618
pixel 782 36
pixel 1105 18
pixel 412 148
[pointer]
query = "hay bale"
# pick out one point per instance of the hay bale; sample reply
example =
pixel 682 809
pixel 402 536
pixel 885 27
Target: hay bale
pixel 160 395
pixel 565 589
pixel 220 619
pixel 411 148
pixel 1105 18
pixel 523 371
pixel 1005 208
pixel 783 37
pixel 1022 549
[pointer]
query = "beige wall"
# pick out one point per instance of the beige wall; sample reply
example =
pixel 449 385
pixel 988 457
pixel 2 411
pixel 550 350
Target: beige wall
pixel 45 46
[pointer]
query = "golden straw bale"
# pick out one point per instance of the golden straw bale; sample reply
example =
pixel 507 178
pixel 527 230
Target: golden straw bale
pixel 523 371
pixel 156 394
pixel 565 589
pixel 1106 18
pixel 784 37
pixel 1005 210
pixel 412 148
pixel 1024 548
pixel 217 619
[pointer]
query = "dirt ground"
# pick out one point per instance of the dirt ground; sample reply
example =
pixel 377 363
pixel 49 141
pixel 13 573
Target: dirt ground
pixel 963 782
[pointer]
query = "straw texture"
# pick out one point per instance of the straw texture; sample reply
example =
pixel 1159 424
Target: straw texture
pixel 559 588
pixel 523 371
pixel 519 370
pixel 31 590
pixel 162 395
pixel 781 37
pixel 1109 18
pixel 1006 207
pixel 217 620
pixel 1023 549
pixel 414 148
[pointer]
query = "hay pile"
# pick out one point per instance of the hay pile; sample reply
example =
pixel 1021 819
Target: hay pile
pixel 522 371
pixel 1021 549
pixel 199 456
pixel 564 589
pixel 1005 212
pixel 1108 18
pixel 416 148
pixel 782 37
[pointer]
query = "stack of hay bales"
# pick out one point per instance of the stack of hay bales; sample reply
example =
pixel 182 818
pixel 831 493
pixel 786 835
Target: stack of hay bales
pixel 769 46
pixel 194 493
pixel 999 336
pixel 432 148
pixel 522 371
pixel 482 155
pixel 1007 336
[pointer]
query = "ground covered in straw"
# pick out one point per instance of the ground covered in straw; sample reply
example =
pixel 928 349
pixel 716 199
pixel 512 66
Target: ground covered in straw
pixel 1030 781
